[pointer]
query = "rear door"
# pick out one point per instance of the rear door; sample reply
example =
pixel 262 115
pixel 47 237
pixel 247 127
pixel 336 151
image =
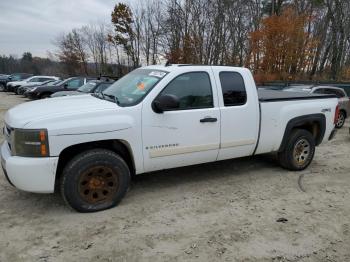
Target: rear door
pixel 239 109
pixel 188 135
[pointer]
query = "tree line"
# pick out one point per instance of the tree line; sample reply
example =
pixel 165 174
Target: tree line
pixel 276 39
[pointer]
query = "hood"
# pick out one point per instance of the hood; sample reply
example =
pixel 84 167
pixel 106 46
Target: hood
pixel 52 110
pixel 16 83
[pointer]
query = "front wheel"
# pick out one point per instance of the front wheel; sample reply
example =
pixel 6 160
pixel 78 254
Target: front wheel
pixel 43 96
pixel 95 180
pixel 340 120
pixel 299 151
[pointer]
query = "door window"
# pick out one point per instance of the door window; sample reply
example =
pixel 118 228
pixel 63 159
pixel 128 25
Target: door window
pixel 192 89
pixel 233 89
pixel 36 79
pixel 74 84
pixel 43 79
pixel 319 91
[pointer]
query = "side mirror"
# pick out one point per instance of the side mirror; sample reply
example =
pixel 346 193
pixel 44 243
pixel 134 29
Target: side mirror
pixel 165 103
pixel 10 78
pixel 65 86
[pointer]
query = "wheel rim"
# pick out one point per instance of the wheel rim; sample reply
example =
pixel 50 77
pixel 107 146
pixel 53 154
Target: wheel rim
pixel 98 184
pixel 340 120
pixel 301 151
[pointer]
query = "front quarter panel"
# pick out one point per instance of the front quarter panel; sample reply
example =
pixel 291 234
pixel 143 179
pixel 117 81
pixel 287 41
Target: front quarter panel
pixel 121 124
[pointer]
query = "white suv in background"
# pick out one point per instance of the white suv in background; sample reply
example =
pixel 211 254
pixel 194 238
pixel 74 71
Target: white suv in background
pixel 34 80
pixel 344 102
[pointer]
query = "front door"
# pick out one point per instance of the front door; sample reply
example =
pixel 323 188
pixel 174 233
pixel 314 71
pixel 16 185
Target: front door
pixel 185 136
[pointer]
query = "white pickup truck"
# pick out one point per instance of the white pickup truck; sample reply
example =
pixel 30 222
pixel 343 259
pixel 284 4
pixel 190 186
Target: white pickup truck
pixel 154 118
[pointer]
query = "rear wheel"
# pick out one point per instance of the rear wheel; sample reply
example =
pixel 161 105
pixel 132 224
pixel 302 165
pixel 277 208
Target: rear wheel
pixel 95 180
pixel 340 120
pixel 299 151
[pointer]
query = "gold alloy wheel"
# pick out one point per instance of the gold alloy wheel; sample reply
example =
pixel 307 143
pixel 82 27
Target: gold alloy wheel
pixel 98 184
pixel 301 151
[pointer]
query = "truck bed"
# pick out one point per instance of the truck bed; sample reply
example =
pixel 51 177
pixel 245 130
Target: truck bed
pixel 267 95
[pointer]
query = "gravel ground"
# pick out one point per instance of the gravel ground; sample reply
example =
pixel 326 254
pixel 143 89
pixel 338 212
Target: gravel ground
pixel 225 211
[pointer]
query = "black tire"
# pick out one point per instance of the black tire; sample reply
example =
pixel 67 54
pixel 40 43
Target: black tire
pixel 294 156
pixel 79 186
pixel 341 119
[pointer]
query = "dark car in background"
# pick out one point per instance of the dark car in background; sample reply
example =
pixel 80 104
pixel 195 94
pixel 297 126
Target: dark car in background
pixel 22 89
pixel 70 84
pixel 12 77
pixel 93 86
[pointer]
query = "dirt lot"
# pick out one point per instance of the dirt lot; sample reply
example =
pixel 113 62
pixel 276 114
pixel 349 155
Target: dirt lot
pixel 224 211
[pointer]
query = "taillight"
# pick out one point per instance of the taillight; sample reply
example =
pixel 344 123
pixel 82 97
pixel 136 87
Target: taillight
pixel 336 115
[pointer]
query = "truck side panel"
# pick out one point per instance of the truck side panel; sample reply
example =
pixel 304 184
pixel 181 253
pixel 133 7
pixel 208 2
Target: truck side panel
pixel 276 115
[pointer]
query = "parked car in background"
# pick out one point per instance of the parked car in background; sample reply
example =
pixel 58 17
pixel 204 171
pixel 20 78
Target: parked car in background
pixel 13 77
pixel 344 102
pixel 70 84
pixel 93 86
pixel 29 89
pixel 13 85
pixel 22 89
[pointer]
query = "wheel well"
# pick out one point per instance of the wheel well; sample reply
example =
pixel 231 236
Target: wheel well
pixel 313 128
pixel 45 93
pixel 120 147
pixel 315 124
pixel 342 110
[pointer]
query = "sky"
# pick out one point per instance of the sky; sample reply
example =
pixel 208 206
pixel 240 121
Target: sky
pixel 33 25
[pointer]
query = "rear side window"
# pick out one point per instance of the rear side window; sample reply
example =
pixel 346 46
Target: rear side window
pixel 233 89
pixel 336 92
pixel 193 90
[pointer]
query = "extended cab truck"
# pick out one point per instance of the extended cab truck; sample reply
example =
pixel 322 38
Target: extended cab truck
pixel 155 118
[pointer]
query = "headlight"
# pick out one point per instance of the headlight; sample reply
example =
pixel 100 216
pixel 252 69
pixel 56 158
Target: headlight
pixel 30 143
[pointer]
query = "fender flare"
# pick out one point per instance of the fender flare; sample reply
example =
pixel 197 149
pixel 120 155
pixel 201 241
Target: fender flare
pixel 320 119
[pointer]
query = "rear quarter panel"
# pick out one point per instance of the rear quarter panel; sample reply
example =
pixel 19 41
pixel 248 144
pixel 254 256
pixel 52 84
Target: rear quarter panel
pixel 276 115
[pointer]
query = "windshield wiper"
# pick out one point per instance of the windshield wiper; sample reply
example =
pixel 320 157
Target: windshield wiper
pixel 103 96
pixel 114 98
pixel 97 95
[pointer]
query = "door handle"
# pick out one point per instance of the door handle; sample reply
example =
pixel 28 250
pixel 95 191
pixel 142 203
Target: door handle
pixel 208 120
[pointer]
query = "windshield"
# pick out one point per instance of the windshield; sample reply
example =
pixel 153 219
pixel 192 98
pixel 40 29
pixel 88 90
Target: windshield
pixel 67 80
pixel 133 87
pixel 88 87
pixel 53 83
pixel 16 77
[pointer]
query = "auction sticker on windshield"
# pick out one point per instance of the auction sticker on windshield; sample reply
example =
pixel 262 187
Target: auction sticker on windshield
pixel 159 74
